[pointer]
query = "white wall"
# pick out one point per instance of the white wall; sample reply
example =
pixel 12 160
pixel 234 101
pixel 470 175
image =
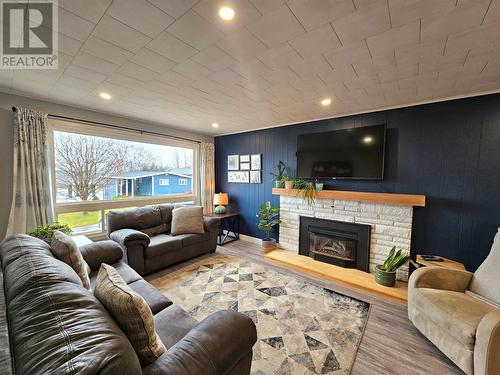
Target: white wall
pixel 7 101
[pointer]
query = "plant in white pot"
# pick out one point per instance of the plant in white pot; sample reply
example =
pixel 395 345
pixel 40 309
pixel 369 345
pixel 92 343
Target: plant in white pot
pixel 281 170
pixel 268 219
pixel 288 179
pixel 385 274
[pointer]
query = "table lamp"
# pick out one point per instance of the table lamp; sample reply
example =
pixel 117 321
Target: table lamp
pixel 220 200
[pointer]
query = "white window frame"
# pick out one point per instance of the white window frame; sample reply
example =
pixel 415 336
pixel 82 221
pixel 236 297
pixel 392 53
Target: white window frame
pixel 84 128
pixel 163 182
pixel 184 181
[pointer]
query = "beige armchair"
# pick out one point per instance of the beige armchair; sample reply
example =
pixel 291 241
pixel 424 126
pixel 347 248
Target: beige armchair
pixel 459 312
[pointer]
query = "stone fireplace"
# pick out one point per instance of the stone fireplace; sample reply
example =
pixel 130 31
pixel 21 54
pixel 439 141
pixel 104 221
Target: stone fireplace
pixel 390 225
pixel 340 243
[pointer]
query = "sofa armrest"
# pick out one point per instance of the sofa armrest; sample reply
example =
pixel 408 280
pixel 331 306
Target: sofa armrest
pixel 213 347
pixel 126 237
pixel 211 223
pixel 94 254
pixel 487 346
pixel 440 278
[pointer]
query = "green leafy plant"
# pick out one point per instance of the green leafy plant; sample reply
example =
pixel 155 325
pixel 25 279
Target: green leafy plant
pixel 307 190
pixel 287 177
pixel 281 171
pixel 395 260
pixel 268 218
pixel 45 232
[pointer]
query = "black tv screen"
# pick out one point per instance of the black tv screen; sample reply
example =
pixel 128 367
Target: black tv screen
pixel 356 153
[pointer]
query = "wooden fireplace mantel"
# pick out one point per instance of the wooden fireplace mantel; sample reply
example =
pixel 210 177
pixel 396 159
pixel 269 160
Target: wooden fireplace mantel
pixel 384 198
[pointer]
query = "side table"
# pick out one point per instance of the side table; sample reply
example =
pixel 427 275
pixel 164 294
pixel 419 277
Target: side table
pixel 446 263
pixel 229 229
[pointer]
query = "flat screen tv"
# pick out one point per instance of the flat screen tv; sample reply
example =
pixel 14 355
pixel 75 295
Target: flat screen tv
pixel 356 153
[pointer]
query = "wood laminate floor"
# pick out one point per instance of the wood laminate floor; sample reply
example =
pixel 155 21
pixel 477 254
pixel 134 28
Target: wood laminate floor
pixel 390 344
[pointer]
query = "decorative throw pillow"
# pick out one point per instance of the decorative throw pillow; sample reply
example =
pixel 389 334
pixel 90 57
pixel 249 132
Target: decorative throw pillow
pixel 159 229
pixel 188 219
pixel 65 249
pixel 131 313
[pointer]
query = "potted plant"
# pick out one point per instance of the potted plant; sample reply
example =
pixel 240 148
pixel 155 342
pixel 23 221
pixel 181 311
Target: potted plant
pixel 45 232
pixel 279 175
pixel 288 179
pixel 268 219
pixel 307 189
pixel 318 185
pixel 385 274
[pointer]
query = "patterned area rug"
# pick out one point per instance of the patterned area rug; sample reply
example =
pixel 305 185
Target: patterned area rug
pixel 301 328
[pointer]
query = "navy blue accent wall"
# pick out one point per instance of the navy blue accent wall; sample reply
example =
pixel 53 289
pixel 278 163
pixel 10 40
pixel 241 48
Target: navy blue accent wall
pixel 449 151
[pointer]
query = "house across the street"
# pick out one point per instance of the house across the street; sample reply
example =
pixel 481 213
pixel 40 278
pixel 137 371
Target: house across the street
pixel 146 183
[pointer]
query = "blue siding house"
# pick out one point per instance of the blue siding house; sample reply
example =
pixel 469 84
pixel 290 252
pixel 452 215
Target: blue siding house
pixel 145 184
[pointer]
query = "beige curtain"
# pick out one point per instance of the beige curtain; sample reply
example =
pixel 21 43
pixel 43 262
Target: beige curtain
pixel 32 198
pixel 207 176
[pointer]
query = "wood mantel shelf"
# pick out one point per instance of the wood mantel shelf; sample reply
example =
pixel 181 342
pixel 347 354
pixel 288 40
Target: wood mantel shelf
pixel 385 198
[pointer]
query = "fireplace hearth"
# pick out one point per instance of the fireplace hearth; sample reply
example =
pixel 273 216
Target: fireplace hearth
pixel 336 242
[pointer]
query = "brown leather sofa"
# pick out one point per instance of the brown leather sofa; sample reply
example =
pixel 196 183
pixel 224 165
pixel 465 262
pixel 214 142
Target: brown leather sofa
pixel 148 253
pixel 57 326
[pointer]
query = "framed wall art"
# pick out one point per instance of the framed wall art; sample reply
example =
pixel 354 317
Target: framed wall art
pixel 241 177
pixel 233 162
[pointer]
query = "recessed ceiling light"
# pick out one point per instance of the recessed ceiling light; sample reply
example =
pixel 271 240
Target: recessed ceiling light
pixel 215 125
pixel 226 13
pixel 326 101
pixel 105 95
pixel 367 139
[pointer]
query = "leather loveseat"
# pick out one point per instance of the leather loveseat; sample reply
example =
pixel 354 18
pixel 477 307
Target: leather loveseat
pixel 148 253
pixel 51 324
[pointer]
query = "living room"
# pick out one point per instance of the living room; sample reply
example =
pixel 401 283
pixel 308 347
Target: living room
pixel 250 187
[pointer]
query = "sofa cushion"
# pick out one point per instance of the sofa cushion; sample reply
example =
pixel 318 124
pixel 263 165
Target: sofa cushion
pixel 159 229
pixel 127 273
pixel 162 244
pixel 193 239
pixel 455 312
pixel 136 218
pixel 188 219
pixel 65 249
pixel 486 279
pixel 166 214
pixel 155 300
pixel 172 324
pixel 131 312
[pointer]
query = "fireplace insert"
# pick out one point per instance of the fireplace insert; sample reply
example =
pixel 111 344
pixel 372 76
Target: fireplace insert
pixel 335 242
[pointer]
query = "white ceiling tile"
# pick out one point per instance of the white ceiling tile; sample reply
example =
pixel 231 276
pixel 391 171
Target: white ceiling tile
pixel 241 45
pixel 420 52
pixel 171 47
pixel 312 13
pixel 311 67
pixel 493 15
pixel 141 73
pixel 195 31
pixel 461 18
pixel 152 60
pixel 346 55
pixel 68 45
pixel 85 74
pixel 406 11
pixel 339 75
pixel 91 10
pixel 192 69
pixel 113 89
pixel 113 31
pixel 386 42
pixel 400 72
pixel 442 62
pixel 74 26
pixel 244 11
pixel 316 42
pixel 362 23
pixel 227 77
pixel 70 80
pixel 251 69
pixel 276 27
pixel 174 8
pixel 214 58
pixel 280 76
pixel 91 62
pixel 106 51
pixel 279 57
pixel 140 15
pixel 479 37
pixel 266 6
pixel 122 80
pixel 175 79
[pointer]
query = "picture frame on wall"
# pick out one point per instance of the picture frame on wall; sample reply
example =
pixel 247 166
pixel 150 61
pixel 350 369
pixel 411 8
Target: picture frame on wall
pixel 256 162
pixel 255 177
pixel 233 162
pixel 238 177
pixel 245 166
pixel 244 158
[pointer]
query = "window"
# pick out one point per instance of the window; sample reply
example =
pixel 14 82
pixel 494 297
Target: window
pixel 96 169
pixel 183 181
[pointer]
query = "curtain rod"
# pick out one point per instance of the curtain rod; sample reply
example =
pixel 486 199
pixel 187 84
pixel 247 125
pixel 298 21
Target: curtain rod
pixel 118 127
